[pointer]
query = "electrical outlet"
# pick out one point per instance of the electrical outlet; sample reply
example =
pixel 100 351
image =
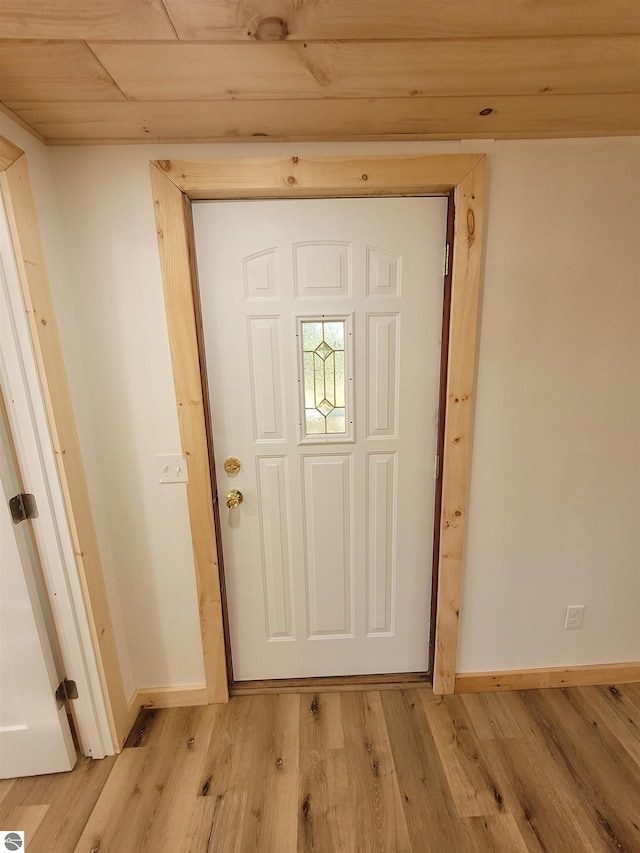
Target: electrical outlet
pixel 574 617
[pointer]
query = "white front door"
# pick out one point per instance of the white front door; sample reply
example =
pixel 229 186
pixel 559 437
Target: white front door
pixel 322 326
pixel 35 736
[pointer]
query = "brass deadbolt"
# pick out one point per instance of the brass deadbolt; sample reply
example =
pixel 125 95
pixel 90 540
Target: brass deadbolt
pixel 231 465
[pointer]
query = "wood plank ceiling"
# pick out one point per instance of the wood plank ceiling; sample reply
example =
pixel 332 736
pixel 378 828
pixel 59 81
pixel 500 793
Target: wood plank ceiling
pixel 117 71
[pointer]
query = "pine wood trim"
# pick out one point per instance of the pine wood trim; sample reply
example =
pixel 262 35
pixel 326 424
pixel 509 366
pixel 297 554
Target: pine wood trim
pixel 22 123
pixel 174 229
pixel 174 183
pixel 316 177
pixel 23 223
pixel 168 697
pixel 458 429
pixel 9 153
pixel 561 676
pixel 133 709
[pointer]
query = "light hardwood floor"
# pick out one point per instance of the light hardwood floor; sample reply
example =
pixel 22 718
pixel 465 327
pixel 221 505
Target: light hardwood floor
pixel 399 770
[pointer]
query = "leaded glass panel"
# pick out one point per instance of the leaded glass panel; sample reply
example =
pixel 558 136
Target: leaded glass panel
pixel 323 360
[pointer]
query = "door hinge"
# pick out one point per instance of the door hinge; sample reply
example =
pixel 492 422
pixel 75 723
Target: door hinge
pixel 67 690
pixel 446 259
pixel 23 507
pixel 437 466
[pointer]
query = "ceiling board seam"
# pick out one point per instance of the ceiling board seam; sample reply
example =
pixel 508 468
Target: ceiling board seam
pixel 168 14
pixel 26 103
pixel 248 43
pixel 101 64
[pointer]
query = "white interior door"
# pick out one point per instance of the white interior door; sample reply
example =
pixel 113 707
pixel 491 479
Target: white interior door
pixel 35 736
pixel 322 324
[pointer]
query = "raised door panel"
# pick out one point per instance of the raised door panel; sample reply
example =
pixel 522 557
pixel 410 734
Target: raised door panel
pixel 381 504
pixel 322 269
pixel 382 375
pixel 328 525
pixel 275 539
pixel 266 379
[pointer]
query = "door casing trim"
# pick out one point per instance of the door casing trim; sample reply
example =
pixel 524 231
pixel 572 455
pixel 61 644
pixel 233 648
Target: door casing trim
pixel 80 607
pixel 175 183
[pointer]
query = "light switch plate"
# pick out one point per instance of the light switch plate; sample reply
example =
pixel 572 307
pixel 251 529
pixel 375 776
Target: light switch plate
pixel 171 468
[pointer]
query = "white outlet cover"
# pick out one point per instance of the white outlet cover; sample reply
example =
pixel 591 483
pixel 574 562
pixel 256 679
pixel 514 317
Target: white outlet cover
pixel 171 468
pixel 574 617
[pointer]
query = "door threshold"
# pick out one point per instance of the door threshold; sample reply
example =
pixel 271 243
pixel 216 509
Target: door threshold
pixel 331 684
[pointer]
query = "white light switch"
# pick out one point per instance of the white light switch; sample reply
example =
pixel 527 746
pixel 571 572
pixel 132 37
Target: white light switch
pixel 171 468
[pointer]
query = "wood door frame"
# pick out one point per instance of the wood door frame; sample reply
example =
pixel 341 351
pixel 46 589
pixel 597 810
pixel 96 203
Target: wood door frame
pixel 175 183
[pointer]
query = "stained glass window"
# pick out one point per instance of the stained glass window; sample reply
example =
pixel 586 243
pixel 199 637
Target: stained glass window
pixel 323 359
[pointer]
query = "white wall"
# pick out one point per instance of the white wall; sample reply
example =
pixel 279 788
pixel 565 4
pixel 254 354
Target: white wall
pixel 50 227
pixel 555 496
pixel 555 500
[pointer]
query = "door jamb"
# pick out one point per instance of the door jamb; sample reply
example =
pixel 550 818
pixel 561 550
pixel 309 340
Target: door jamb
pixel 175 183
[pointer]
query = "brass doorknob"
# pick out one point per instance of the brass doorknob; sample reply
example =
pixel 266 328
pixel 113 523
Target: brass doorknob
pixel 234 498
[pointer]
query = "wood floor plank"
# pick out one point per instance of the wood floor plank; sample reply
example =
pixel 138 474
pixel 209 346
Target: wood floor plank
pixel 249 777
pixel 27 819
pixel 612 708
pixel 325 798
pixel 5 786
pixel 471 781
pixel 491 716
pixel 586 758
pixel 494 834
pixel 60 826
pixel 114 810
pixel 176 796
pixel 428 806
pixel 278 828
pixel 541 788
pixel 226 772
pixel 536 792
pixel 272 746
pixel 547 812
pixel 129 802
pixel 631 691
pixel 378 818
pixel 147 728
